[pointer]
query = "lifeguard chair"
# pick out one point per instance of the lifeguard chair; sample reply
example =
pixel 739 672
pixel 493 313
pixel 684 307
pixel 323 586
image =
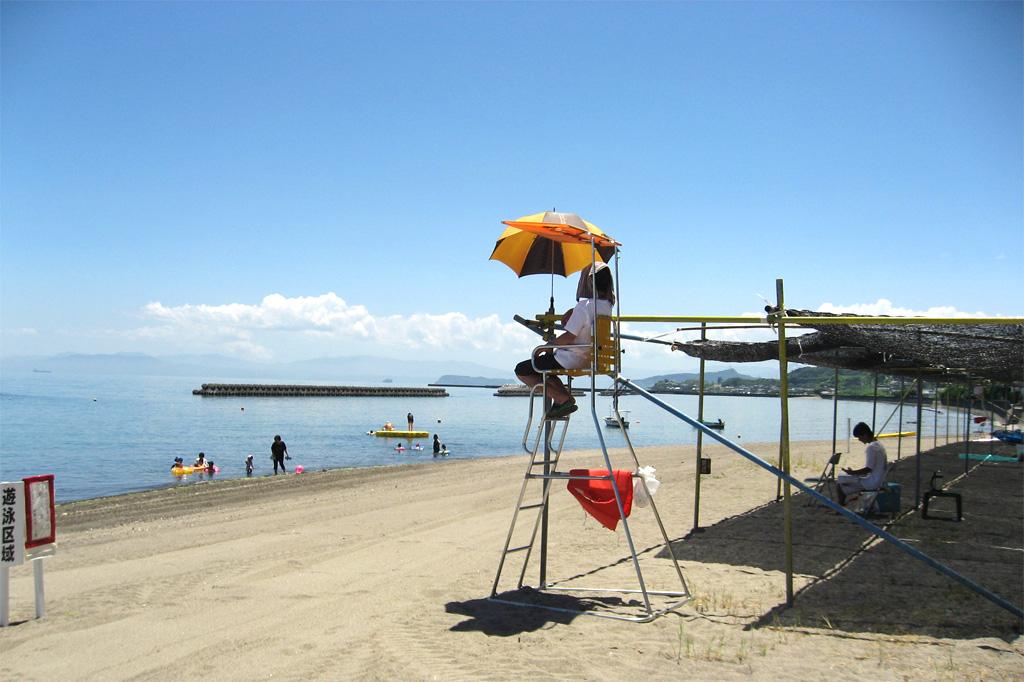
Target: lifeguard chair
pixel 604 492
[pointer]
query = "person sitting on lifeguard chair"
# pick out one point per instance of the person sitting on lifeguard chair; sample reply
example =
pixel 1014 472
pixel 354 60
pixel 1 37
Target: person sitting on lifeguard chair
pixel 578 323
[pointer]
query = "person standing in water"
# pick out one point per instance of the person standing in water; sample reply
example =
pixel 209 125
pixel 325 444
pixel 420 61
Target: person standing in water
pixel 437 445
pixel 278 450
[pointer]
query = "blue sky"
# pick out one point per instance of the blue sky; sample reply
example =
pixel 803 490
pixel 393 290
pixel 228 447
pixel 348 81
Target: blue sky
pixel 294 180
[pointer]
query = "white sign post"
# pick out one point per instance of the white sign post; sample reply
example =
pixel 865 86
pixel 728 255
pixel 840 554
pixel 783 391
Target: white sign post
pixel 12 541
pixel 28 530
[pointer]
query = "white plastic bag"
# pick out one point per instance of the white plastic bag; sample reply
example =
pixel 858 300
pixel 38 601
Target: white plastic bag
pixel 642 494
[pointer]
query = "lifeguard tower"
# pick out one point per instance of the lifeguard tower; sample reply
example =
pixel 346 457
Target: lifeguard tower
pixel 605 492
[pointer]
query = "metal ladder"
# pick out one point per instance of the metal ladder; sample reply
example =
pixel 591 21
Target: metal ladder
pixel 546 429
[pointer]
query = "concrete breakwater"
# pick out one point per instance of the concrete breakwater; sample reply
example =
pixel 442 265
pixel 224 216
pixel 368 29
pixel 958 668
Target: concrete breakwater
pixel 313 391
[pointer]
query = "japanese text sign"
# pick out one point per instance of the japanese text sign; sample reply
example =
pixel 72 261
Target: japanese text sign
pixel 12 524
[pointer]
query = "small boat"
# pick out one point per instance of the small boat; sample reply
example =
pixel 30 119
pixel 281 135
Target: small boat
pixel 717 425
pixel 611 421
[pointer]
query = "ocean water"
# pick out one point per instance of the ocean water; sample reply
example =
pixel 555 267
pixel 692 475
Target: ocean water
pixel 105 435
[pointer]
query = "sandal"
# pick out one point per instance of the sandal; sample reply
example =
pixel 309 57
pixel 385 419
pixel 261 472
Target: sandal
pixel 562 410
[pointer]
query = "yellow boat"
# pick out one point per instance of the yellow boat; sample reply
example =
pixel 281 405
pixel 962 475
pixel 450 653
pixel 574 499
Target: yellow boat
pixel 901 434
pixel 401 434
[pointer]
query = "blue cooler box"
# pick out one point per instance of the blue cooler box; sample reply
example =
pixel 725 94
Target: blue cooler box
pixel 888 501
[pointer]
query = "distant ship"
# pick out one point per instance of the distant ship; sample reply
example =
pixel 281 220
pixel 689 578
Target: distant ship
pixel 388 380
pixel 613 422
pixel 43 371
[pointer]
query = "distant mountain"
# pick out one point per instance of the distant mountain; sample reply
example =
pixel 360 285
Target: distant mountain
pixel 376 369
pixel 709 377
pixel 459 380
pixel 354 369
pixel 78 363
pixel 360 369
pixel 851 382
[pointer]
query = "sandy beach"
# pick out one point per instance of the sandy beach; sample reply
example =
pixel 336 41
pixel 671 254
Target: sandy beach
pixel 384 574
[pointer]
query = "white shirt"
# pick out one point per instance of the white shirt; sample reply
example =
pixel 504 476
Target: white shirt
pixel 580 324
pixel 874 459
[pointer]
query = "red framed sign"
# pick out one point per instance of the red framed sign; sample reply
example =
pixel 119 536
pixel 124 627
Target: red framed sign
pixel 40 520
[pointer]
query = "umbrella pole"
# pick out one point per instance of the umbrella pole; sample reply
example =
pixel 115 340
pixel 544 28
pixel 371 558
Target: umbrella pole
pixel 551 304
pixel 549 335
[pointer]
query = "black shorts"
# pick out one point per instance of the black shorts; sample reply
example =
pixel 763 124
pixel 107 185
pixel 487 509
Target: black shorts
pixel 545 361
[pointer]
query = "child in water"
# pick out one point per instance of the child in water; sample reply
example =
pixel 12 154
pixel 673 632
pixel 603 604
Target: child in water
pixel 249 466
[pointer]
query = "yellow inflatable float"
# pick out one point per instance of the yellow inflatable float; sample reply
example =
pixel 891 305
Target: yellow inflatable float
pixel 400 434
pixel 185 470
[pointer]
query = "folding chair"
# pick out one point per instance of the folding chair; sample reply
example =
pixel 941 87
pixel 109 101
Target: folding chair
pixel 827 479
pixel 885 499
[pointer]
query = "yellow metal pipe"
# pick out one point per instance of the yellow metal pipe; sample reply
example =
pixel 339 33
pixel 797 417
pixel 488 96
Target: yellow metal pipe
pixel 812 320
pixel 691 318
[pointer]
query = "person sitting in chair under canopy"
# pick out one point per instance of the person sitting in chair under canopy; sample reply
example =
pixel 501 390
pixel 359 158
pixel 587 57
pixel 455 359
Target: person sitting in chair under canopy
pixel 872 474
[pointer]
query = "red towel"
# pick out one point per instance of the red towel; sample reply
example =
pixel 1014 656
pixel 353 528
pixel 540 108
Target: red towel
pixel 597 497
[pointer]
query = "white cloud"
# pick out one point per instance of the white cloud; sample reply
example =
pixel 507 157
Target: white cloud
pixel 326 312
pixel 884 306
pixel 279 327
pixel 255 329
